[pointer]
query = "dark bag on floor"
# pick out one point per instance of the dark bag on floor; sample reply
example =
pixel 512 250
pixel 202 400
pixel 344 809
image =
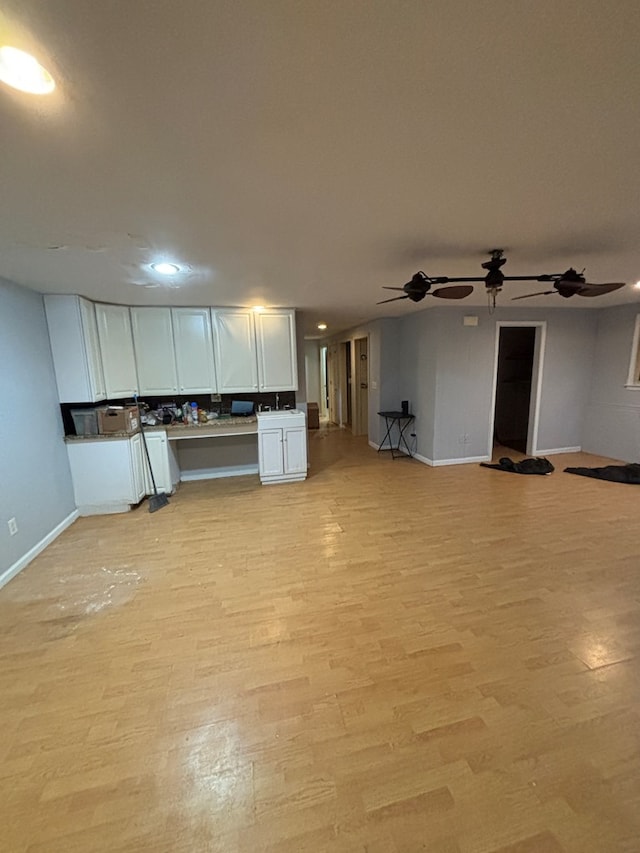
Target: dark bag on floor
pixel 537 465
pixel 615 473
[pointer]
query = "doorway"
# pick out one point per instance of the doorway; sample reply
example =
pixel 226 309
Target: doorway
pixel 348 421
pixel 517 386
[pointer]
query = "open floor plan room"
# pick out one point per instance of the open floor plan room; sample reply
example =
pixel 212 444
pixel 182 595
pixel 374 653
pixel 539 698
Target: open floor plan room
pixel 386 657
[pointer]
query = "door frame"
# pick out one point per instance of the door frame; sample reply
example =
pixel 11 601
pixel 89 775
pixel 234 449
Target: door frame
pixel 536 381
pixel 360 425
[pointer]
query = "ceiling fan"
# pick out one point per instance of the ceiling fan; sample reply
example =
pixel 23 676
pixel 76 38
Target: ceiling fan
pixel 569 283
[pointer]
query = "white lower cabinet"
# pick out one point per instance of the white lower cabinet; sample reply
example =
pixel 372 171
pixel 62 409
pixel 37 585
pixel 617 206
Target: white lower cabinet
pixel 282 446
pixel 108 474
pixel 166 472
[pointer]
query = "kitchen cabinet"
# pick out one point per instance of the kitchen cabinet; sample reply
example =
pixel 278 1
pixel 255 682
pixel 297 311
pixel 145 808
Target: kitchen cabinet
pixel 276 350
pixel 255 351
pixel 162 454
pixel 235 348
pixel 193 339
pixel 282 446
pixel 116 348
pixel 73 334
pixel 107 474
pixel 154 351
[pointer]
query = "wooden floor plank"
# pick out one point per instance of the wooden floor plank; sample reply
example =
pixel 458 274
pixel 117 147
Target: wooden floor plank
pixel 386 657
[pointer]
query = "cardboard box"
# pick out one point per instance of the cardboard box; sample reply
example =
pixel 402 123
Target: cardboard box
pixel 118 419
pixel 313 416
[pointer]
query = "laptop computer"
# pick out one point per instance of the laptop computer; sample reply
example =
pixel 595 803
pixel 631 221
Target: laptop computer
pixel 241 408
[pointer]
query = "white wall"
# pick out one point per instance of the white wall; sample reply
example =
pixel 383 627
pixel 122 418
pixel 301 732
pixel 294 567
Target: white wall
pixel 312 371
pixel 612 420
pixel 35 482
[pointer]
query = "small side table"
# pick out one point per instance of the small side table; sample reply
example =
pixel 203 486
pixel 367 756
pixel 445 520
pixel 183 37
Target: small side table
pixel 402 420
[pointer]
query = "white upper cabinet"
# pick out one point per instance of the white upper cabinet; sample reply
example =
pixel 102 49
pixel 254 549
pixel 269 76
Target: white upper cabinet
pixel 235 348
pixel 276 344
pixel 155 355
pixel 75 349
pixel 116 347
pixel 194 350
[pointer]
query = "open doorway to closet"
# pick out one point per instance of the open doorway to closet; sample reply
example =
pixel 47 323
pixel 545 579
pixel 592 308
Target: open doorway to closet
pixel 517 385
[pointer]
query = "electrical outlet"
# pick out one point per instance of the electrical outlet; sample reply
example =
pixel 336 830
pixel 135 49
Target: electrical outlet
pixel 13 526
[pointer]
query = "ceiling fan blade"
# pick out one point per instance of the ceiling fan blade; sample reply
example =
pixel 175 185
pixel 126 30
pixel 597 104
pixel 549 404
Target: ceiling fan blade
pixel 529 295
pixel 384 287
pixel 599 289
pixel 458 291
pixel 393 299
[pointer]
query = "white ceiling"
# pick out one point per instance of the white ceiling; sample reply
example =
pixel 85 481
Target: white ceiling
pixel 306 152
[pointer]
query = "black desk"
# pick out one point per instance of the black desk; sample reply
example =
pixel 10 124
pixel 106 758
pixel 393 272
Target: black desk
pixel 403 422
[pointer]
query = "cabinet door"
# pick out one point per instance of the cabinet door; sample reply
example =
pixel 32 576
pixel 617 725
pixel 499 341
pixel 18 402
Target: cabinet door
pixel 155 355
pixel 75 350
pixel 194 350
pixel 116 347
pixel 137 482
pixel 92 344
pixel 158 447
pixel 101 472
pixel 270 452
pixel 295 450
pixel 235 347
pixel 276 344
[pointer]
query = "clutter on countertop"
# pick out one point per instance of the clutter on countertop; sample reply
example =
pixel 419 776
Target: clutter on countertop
pixel 82 421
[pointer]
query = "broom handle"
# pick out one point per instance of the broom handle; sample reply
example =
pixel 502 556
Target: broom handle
pixel 146 449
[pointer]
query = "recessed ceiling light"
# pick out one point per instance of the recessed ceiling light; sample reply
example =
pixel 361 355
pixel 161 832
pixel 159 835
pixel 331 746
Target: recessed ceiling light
pixel 165 268
pixel 22 71
pixel 322 326
pixel 637 284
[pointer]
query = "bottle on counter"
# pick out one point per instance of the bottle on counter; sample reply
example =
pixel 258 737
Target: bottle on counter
pixel 194 414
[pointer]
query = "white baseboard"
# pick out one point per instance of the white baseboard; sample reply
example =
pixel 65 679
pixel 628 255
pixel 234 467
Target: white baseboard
pixel 464 460
pixel 554 450
pixel 214 473
pixel 32 553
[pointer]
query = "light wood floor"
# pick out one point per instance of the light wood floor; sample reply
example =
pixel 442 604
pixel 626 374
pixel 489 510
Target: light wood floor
pixel 387 658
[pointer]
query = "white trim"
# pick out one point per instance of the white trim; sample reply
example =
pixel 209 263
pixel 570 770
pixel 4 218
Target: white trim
pixel 554 450
pixel 374 445
pixel 216 473
pixel 633 378
pixel 32 553
pixel 536 381
pixel 462 460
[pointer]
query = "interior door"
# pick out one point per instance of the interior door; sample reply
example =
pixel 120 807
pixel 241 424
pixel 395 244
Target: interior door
pixel 362 387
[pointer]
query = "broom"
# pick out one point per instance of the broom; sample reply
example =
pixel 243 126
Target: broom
pixel 158 499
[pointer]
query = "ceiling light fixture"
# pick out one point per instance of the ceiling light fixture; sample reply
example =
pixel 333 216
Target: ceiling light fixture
pixel 165 268
pixel 258 309
pixel 322 326
pixel 637 284
pixel 22 71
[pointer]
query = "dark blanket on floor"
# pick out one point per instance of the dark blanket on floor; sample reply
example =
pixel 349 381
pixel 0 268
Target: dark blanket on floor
pixel 616 473
pixel 539 465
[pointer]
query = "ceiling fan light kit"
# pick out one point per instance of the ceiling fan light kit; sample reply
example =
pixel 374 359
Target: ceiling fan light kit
pixel 567 284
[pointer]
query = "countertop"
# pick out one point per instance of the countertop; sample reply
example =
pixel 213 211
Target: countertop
pixel 217 427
